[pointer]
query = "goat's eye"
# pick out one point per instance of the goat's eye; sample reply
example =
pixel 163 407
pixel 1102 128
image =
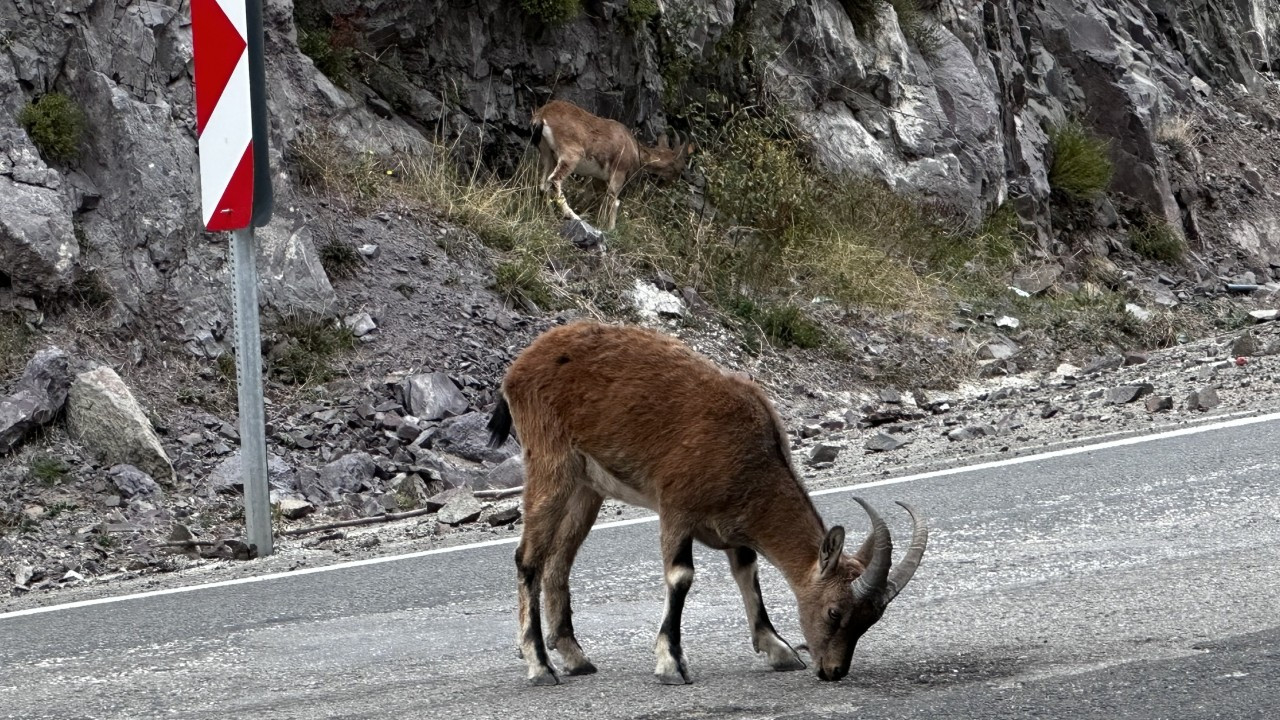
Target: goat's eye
pixel 833 615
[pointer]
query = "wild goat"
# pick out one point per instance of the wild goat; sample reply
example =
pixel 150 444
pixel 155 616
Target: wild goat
pixel 573 141
pixel 630 413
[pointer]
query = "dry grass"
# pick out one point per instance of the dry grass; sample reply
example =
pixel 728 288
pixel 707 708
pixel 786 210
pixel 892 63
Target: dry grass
pixel 16 341
pixel 1181 135
pixel 774 243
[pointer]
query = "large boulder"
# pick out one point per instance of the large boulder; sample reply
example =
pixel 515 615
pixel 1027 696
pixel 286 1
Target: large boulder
pixel 433 396
pixel 104 416
pixel 37 397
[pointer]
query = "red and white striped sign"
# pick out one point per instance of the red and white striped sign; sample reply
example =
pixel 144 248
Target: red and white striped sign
pixel 224 121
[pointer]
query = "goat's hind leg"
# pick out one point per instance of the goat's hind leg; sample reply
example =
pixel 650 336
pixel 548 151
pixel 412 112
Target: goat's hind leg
pixel 546 164
pixel 579 515
pixel 548 487
pixel 742 560
pixel 532 649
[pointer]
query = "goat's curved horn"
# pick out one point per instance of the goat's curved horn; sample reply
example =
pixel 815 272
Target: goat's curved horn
pixel 871 584
pixel 903 571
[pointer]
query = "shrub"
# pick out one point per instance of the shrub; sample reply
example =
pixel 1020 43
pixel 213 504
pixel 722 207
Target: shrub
pixel 756 176
pixel 552 12
pixel 56 125
pixel 1096 319
pixel 640 12
pixel 1081 166
pixel 784 324
pixel 91 290
pixel 331 56
pixel 1155 239
pixel 329 41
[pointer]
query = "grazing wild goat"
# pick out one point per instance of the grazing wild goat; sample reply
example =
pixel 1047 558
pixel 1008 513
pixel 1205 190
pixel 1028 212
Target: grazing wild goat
pixel 630 413
pixel 572 141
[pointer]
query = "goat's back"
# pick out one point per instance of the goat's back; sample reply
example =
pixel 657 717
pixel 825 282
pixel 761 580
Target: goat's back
pixel 653 412
pixel 601 140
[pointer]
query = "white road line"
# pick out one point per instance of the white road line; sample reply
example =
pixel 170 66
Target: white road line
pixel 1137 440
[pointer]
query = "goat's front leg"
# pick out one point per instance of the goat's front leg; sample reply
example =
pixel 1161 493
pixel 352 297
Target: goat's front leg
pixel 564 167
pixel 677 560
pixel 764 638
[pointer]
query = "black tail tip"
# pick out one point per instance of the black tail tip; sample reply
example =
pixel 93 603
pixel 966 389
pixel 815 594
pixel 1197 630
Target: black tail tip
pixel 499 424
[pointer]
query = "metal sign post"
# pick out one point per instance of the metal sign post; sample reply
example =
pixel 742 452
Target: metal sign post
pixel 235 184
pixel 253 435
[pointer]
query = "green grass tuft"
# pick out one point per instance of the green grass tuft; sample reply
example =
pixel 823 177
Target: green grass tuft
pixel 1081 166
pixel 552 12
pixel 48 470
pixel 339 259
pixel 521 278
pixel 785 324
pixel 1155 239
pixel 56 125
pixel 307 350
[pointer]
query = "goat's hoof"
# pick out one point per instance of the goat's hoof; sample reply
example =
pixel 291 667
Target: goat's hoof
pixel 584 668
pixel 680 678
pixel 544 678
pixel 788 664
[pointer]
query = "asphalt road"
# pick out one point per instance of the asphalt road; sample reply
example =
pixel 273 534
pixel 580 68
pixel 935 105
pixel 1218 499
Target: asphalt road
pixel 1133 582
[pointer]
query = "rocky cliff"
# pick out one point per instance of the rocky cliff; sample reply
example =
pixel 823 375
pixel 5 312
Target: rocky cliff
pixel 953 101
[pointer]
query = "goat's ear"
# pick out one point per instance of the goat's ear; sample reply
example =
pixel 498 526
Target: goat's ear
pixel 690 148
pixel 832 549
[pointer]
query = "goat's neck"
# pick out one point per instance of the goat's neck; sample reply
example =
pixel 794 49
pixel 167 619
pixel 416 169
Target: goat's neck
pixel 790 533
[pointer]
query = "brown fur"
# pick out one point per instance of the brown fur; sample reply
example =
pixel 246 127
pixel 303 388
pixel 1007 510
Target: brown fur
pixel 573 141
pixel 702 447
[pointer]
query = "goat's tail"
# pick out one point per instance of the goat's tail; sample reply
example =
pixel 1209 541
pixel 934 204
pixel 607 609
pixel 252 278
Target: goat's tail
pixel 500 423
pixel 535 128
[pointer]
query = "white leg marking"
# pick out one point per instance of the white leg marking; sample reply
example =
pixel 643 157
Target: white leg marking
pixel 667 663
pixel 679 575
